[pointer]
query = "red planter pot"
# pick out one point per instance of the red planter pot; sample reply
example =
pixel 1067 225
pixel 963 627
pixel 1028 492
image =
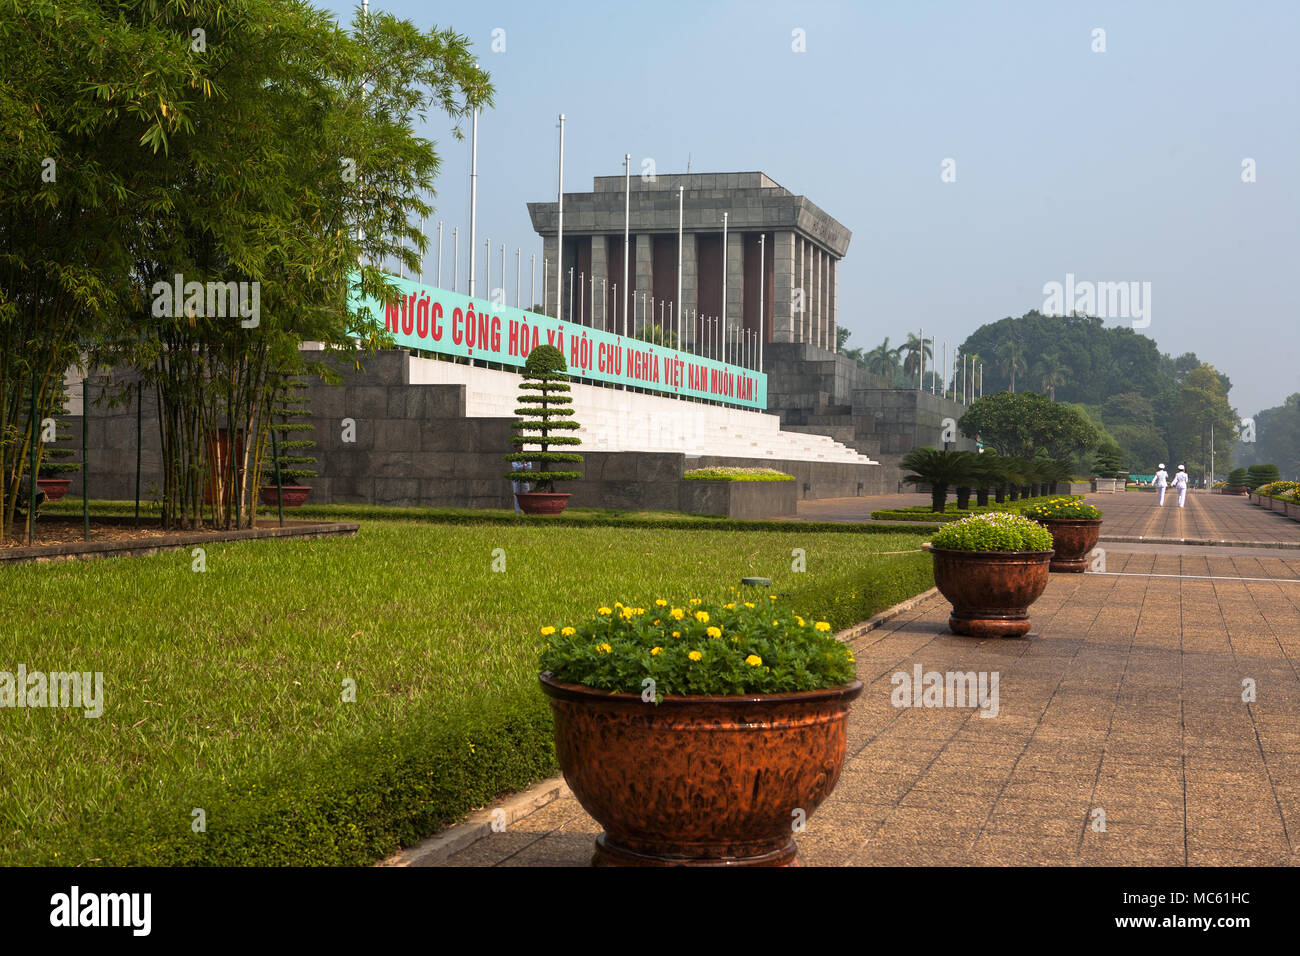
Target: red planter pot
pixel 1235 490
pixel 699 781
pixel 990 591
pixel 1073 539
pixel 294 495
pixel 54 488
pixel 542 502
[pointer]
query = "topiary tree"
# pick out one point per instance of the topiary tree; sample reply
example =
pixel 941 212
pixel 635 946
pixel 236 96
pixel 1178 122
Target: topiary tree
pixel 543 403
pixel 1109 462
pixel 1236 478
pixel 939 470
pixel 1257 475
pixel 56 464
pixel 293 457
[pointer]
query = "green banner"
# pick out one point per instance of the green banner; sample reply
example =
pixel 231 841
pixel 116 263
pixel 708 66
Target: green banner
pixel 435 320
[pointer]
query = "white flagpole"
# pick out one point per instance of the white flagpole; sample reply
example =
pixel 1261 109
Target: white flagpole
pixel 681 312
pixel 473 203
pixel 762 288
pixel 439 253
pixel 559 233
pixel 627 222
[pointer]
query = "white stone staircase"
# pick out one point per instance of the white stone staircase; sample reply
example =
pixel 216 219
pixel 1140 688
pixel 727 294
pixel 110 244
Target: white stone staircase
pixel 615 420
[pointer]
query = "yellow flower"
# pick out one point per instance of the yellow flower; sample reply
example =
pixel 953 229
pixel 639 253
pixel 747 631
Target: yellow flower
pixel 660 602
pixel 695 600
pixel 822 626
pixel 604 648
pixel 604 610
pixel 753 660
pixel 729 607
pixel 695 655
pixel 656 622
pixel 771 597
pixel 677 633
pixel 702 617
pixel 547 631
pixel 678 614
pixel 617 604
pixel 568 631
pixel 654 651
pixel 714 632
pixel 799 619
pixel 850 653
pixel 748 604
pixel 774 624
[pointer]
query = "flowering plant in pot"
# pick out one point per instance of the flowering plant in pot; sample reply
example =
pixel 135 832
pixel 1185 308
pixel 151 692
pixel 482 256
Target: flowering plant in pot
pixel 546 408
pixel 698 733
pixel 1075 528
pixel 991 567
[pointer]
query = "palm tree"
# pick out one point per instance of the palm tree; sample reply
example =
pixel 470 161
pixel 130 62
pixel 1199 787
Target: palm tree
pixel 1012 355
pixel 939 470
pixel 882 360
pixel 914 348
pixel 1051 372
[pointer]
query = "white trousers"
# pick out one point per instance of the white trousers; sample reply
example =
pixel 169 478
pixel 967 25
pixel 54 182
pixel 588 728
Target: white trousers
pixel 1162 494
pixel 1182 495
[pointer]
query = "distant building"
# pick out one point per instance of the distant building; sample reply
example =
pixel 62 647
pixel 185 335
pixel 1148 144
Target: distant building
pixel 802 249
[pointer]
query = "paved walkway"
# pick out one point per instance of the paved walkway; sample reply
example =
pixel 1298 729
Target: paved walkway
pixel 1126 700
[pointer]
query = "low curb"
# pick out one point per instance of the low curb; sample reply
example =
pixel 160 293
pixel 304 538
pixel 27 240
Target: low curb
pixel 437 849
pixel 86 550
pixel 1199 542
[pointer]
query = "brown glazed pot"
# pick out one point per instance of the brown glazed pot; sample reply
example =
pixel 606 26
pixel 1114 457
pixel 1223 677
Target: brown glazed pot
pixel 1074 539
pixel 990 591
pixel 54 488
pixel 541 502
pixel 699 781
pixel 295 496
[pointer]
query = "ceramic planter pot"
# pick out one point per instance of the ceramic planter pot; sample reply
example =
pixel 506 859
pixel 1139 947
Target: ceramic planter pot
pixel 54 488
pixel 542 502
pixel 990 591
pixel 1073 539
pixel 294 495
pixel 699 781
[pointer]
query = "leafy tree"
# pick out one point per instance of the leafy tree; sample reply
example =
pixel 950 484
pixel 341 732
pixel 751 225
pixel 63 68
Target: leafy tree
pixel 1011 356
pixel 1202 404
pixel 1276 439
pixel 657 335
pixel 1022 425
pixel 912 352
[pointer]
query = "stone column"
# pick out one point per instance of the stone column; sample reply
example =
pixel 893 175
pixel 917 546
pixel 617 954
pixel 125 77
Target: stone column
pixel 688 286
pixel 598 315
pixel 551 264
pixel 782 253
pixel 644 268
pixel 819 314
pixel 835 340
pixel 828 332
pixel 735 287
pixel 801 291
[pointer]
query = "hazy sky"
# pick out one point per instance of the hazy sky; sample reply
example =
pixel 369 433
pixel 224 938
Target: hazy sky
pixel 1117 166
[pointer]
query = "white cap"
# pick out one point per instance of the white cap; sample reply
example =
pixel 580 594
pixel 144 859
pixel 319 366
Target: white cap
pixel 1181 468
pixel 1162 464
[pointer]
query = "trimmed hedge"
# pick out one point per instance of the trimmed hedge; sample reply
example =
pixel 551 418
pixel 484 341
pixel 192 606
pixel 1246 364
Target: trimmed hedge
pixel 953 513
pixel 736 474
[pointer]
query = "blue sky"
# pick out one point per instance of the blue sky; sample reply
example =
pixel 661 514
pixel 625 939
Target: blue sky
pixel 1123 165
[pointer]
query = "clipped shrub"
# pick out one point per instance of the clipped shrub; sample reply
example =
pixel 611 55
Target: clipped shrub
pixel 1257 475
pixel 291 405
pixel 994 531
pixel 736 474
pixel 545 407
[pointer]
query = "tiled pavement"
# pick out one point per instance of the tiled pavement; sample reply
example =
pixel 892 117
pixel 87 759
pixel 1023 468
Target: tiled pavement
pixel 1126 698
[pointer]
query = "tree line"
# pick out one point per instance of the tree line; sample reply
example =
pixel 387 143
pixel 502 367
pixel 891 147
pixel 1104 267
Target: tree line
pixel 211 145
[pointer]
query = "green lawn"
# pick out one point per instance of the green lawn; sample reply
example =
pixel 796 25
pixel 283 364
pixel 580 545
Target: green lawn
pixel 223 689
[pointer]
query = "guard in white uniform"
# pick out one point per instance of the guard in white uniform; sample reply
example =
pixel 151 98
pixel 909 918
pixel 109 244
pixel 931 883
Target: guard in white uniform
pixel 1162 481
pixel 1180 482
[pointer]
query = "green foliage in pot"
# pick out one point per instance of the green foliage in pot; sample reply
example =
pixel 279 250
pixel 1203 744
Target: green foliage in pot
pixel 1237 478
pixel 697 648
pixel 546 406
pixel 993 531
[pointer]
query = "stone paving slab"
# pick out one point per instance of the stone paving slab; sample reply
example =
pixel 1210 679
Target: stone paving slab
pixel 1126 698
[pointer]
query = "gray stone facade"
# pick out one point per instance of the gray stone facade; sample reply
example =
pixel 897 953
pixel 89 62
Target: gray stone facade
pixel 803 248
pixel 415 446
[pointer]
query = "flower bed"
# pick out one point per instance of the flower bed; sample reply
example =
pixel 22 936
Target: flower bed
pixel 953 513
